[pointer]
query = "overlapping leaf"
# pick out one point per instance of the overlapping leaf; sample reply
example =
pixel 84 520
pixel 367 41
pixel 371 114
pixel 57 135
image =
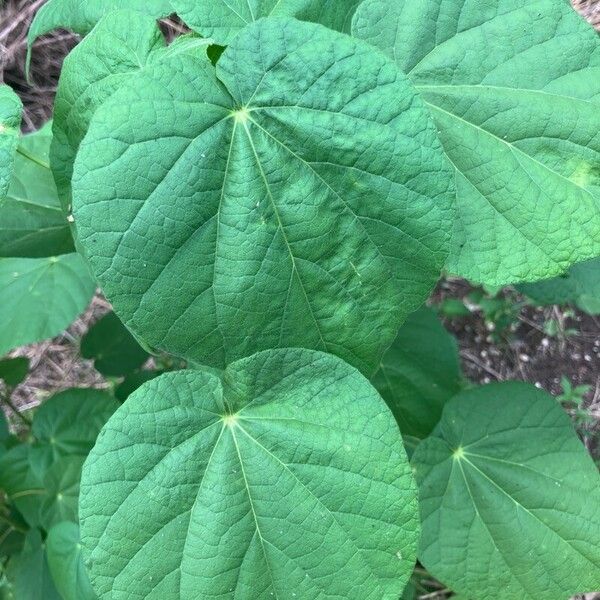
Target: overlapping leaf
pixel 222 20
pixel 81 15
pixel 284 478
pixel 510 499
pixel 514 87
pixel 65 562
pixel 11 110
pixel 419 374
pixel 300 201
pixel 32 224
pixel 41 297
pixel 580 286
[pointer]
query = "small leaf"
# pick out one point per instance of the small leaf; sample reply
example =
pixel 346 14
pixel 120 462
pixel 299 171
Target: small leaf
pixel 292 227
pixel 287 477
pixel 132 382
pixel 68 424
pixel 114 350
pixel 580 286
pixel 80 16
pixel 13 371
pixel 66 563
pixel 28 572
pixel 32 224
pixel 419 374
pixel 41 297
pixel 510 499
pixel 518 114
pixel 11 110
pixel 222 20
pixel 12 534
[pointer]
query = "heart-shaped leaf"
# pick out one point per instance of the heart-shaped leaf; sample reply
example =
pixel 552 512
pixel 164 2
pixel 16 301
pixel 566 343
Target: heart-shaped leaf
pixel 312 200
pixel 514 87
pixel 66 563
pixel 419 374
pixel 32 224
pixel 510 499
pixel 580 286
pixel 222 20
pixel 68 424
pixel 11 110
pixel 41 297
pixel 285 478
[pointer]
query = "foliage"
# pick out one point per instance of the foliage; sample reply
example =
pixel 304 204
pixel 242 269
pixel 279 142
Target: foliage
pixel 267 220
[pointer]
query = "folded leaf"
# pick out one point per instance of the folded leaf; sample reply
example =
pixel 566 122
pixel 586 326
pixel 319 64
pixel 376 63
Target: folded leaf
pixel 41 297
pixel 65 562
pixel 80 16
pixel 419 374
pixel 32 224
pixel 514 87
pixel 285 478
pixel 580 286
pixel 510 499
pixel 11 110
pixel 222 20
pixel 302 201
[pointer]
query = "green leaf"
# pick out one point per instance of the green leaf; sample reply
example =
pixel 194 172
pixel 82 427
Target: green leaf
pixel 68 424
pixel 32 224
pixel 518 116
pixel 21 484
pixel 28 572
pixel 132 382
pixel 114 350
pixel 41 297
pixel 11 110
pixel 580 286
pixel 510 499
pixel 285 477
pixel 313 203
pixel 80 16
pixel 4 432
pixel 12 534
pixel 419 374
pixel 222 20
pixel 13 371
pixel 120 45
pixel 66 563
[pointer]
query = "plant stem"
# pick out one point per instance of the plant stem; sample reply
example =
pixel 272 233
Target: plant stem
pixel 6 398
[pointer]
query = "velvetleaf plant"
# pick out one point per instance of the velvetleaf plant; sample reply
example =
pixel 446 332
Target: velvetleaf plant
pixel 275 217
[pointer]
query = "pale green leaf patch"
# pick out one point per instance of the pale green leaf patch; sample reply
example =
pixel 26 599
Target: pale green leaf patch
pixel 11 110
pixel 313 204
pixel 284 478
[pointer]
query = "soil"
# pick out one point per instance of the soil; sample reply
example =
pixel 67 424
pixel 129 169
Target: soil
pixel 524 351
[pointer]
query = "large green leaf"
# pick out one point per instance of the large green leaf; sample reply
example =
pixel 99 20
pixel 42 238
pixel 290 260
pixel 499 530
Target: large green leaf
pixel 32 224
pixel 120 45
pixel 300 201
pixel 510 499
pixel 81 15
pixel 41 297
pixel 285 478
pixel 580 286
pixel 11 110
pixel 112 347
pixel 419 374
pixel 66 563
pixel 514 87
pixel 222 20
pixel 68 424
pixel 28 572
